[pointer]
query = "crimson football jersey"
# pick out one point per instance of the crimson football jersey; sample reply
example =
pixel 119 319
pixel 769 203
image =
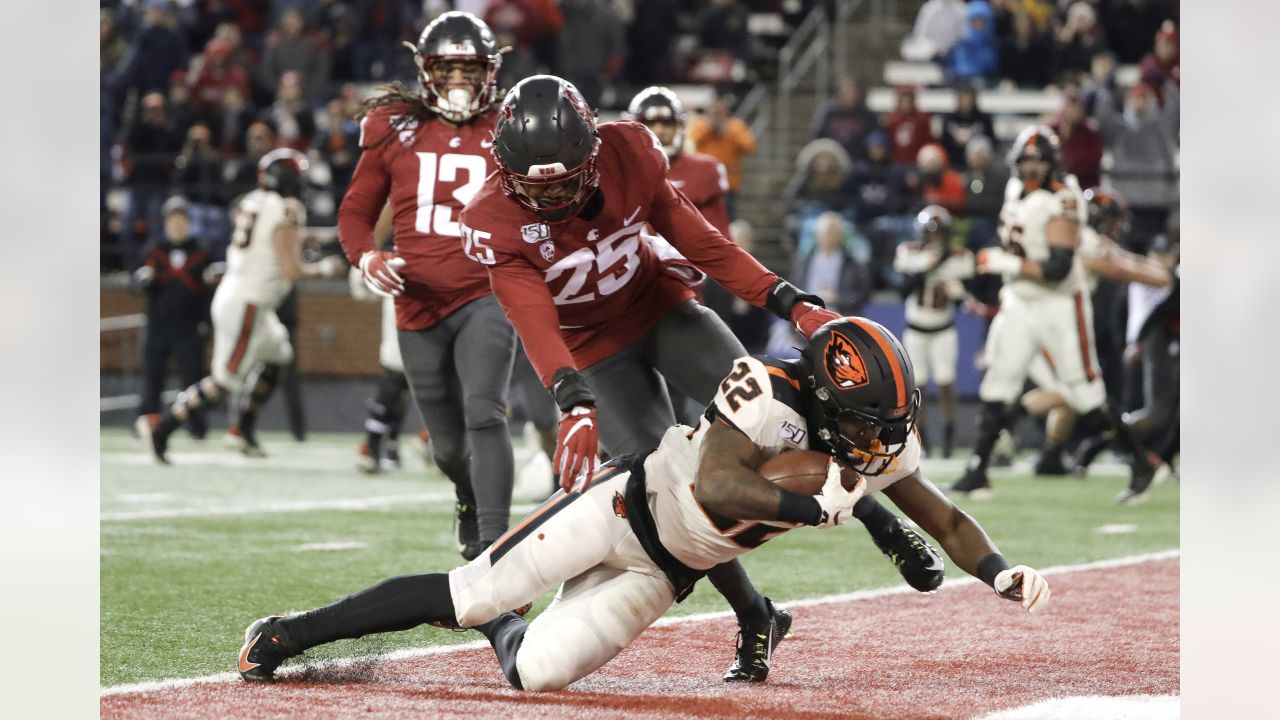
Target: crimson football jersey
pixel 428 169
pixel 594 277
pixel 704 181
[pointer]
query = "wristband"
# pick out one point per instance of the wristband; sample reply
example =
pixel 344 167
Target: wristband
pixel 570 389
pixel 783 296
pixel 797 508
pixel 991 566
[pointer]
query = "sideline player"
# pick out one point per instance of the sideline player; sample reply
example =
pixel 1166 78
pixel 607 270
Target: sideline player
pixel 936 269
pixel 647 528
pixel 1044 306
pixel 427 154
pixel 1101 257
pixel 250 345
pixel 562 228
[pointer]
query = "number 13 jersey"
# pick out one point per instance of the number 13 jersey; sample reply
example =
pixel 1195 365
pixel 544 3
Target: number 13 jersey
pixel 427 169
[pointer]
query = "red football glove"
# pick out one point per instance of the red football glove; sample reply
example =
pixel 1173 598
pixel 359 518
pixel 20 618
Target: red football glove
pixel 379 270
pixel 575 459
pixel 808 317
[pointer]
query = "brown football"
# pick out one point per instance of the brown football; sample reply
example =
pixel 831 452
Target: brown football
pixel 803 471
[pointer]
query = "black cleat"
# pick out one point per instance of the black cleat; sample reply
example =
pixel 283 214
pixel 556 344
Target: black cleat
pixel 1088 451
pixel 756 642
pixel 466 529
pixel 266 645
pixel 1141 477
pixel 152 432
pixel 1050 463
pixel 470 551
pixel 973 483
pixel 919 562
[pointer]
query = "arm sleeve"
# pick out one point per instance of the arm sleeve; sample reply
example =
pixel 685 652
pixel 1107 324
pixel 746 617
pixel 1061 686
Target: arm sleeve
pixel 684 227
pixel 526 300
pixel 716 212
pixel 362 204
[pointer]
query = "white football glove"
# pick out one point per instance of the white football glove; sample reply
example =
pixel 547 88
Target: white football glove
pixel 1023 584
pixel 836 502
pixel 998 261
pixel 379 270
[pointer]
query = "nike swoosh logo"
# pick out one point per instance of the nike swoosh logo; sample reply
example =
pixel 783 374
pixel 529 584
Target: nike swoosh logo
pixel 245 665
pixel 633 216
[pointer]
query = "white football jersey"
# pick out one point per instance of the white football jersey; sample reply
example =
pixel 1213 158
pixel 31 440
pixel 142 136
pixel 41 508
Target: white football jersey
pixel 1023 219
pixel 932 305
pixel 761 398
pixel 253 267
pixel 1092 245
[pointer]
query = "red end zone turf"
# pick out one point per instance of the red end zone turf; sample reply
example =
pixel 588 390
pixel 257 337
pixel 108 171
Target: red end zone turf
pixel 955 654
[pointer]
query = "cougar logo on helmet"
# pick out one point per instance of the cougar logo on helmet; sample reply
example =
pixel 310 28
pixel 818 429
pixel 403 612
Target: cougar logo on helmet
pixel 845 365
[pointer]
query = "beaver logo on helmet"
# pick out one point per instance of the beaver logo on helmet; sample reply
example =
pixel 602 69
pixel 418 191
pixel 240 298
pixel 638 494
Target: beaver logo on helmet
pixel 844 363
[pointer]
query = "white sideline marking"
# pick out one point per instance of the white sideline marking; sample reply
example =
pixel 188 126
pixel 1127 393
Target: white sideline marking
pixel 1121 529
pixel 363 503
pixel 350 545
pixel 156 685
pixel 1095 707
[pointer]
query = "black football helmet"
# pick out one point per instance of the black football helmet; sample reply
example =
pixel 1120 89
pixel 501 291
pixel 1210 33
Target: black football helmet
pixel 654 104
pixel 281 171
pixel 1108 212
pixel 458 37
pixel 545 145
pixel 933 219
pixel 857 370
pixel 1037 142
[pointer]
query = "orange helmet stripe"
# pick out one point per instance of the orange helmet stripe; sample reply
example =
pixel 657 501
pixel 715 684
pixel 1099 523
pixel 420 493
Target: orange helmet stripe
pixel 899 384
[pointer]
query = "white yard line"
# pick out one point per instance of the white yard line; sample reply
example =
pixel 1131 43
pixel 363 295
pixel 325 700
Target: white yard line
pixel 362 503
pixel 155 685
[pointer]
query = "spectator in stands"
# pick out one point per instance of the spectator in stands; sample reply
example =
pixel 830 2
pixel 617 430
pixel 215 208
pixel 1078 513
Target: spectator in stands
pixel 1102 74
pixel 1161 65
pixel 1144 146
pixel 974 58
pixel 908 127
pixel 292 119
pixel 749 323
pixel 590 48
pixel 182 111
pixel 877 186
pixel 291 49
pixel 938 27
pixel 199 175
pixel 229 124
pixel 215 75
pixel 1081 144
pixel 1026 56
pixel 157 50
pixel 375 24
pixel 150 148
pixel 531 27
pixel 238 53
pixel 847 120
pixel 830 270
pixel 342 61
pixel 112 47
pixel 260 139
pixel 722 25
pixel 339 144
pixel 934 182
pixel 649 39
pixel 727 139
pixel 984 183
pixel 959 128
pixel 173 276
pixel 1130 24
pixel 820 179
pixel 1079 39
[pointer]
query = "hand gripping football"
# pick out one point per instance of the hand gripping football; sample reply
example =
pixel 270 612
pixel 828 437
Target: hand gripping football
pixel 803 472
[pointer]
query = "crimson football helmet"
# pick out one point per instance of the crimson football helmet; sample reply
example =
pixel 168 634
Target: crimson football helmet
pixel 545 145
pixel 458 37
pixel 860 381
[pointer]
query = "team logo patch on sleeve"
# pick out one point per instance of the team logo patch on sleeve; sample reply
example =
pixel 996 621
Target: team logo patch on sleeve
pixel 792 433
pixel 548 250
pixel 537 232
pixel 619 505
pixel 844 363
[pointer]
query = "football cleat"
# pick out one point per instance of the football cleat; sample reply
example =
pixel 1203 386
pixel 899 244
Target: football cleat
pixel 466 529
pixel 246 445
pixel 148 429
pixel 973 484
pixel 266 645
pixel 1088 451
pixel 390 455
pixel 1141 478
pixel 919 562
pixel 755 646
pixel 367 463
pixel 1050 463
pixel 470 551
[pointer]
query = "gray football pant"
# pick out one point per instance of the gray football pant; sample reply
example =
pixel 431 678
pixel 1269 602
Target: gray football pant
pixel 458 372
pixel 691 347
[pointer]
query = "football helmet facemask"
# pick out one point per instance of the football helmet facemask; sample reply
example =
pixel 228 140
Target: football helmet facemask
pixel 545 145
pixel 863 398
pixel 1037 142
pixel 458 60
